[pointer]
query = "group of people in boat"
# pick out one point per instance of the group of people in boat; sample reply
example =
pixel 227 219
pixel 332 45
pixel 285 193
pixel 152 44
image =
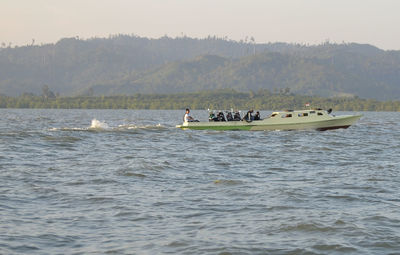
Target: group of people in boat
pixel 230 116
pixel 249 116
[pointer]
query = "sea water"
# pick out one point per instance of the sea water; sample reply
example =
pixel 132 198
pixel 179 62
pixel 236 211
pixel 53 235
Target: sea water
pixel 129 182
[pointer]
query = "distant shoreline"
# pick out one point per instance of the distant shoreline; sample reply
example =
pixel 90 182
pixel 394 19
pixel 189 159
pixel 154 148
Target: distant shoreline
pixel 218 99
pixel 129 64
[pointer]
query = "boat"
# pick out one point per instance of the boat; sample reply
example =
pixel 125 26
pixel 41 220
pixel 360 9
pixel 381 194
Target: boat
pixel 316 119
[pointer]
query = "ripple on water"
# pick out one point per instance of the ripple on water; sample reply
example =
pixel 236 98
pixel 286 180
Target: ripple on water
pixel 134 184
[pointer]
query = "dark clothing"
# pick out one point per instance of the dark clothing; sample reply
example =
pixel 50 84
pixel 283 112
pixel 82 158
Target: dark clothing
pixel 248 116
pixel 237 116
pixel 229 116
pixel 221 116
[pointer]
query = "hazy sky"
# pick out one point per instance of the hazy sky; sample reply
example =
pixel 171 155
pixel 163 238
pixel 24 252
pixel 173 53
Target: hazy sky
pixel 375 22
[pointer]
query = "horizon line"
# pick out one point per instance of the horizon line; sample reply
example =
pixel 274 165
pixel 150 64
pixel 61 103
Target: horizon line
pixel 247 40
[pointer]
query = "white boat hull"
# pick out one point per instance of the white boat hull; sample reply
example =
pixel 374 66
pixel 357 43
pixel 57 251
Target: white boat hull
pixel 279 122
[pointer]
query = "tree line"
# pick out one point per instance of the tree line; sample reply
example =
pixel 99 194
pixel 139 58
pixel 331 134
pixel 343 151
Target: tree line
pixel 217 99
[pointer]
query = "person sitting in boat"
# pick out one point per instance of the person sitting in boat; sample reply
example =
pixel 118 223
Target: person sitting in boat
pixel 212 117
pixel 221 116
pixel 236 116
pixel 229 116
pixel 257 116
pixel 187 117
pixel 249 116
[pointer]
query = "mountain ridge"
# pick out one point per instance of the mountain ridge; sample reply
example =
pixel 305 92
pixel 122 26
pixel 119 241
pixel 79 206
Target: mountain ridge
pixel 131 64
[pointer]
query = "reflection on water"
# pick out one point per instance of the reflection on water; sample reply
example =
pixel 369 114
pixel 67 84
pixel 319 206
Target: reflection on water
pixel 120 181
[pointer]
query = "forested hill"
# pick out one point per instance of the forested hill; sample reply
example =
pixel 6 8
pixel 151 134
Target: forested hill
pixel 130 65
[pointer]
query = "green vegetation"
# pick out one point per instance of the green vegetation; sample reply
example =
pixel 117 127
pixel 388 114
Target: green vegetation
pixel 219 99
pixel 128 65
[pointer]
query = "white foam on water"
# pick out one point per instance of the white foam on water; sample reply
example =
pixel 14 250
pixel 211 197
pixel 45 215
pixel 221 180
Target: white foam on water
pixel 96 124
pixel 134 126
pixel 68 129
pixel 127 126
pixel 102 125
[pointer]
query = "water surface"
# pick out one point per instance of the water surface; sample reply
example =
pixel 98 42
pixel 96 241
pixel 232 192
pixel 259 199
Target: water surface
pixel 129 182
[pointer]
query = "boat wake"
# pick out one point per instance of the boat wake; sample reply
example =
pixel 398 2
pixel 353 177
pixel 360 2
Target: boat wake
pixel 102 126
pixel 133 126
pixel 96 124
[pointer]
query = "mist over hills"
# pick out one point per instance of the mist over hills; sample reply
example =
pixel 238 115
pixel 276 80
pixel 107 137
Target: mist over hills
pixel 129 65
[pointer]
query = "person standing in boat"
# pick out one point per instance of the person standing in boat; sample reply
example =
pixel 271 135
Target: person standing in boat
pixel 187 117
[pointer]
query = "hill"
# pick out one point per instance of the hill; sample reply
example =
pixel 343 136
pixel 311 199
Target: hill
pixel 130 65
